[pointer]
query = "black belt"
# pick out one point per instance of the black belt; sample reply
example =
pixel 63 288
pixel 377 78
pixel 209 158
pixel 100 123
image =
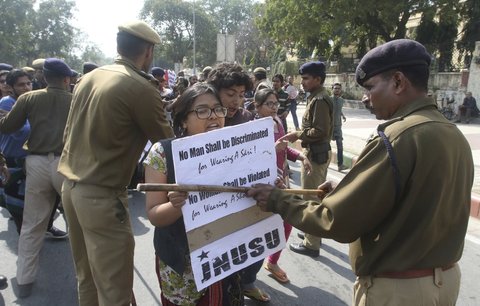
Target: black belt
pixel 45 153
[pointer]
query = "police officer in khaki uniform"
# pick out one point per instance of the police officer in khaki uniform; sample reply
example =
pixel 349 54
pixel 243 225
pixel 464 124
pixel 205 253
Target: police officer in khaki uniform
pixel 404 206
pixel 315 134
pixel 39 78
pixel 115 110
pixel 261 81
pixel 46 110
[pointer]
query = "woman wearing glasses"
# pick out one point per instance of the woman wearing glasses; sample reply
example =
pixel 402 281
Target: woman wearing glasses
pixel 266 104
pixel 197 110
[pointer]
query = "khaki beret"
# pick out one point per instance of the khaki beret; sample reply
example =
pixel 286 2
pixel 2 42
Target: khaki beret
pixel 141 30
pixel 38 63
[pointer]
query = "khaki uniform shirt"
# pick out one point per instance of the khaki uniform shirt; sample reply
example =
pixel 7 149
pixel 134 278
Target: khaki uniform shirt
pixel 317 122
pixel 115 110
pixel 426 226
pixel 47 111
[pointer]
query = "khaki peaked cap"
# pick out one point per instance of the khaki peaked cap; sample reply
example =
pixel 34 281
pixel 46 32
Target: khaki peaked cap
pixel 38 63
pixel 141 30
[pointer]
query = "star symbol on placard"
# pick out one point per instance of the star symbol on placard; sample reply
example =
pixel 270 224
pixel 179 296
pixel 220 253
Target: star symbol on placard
pixel 203 255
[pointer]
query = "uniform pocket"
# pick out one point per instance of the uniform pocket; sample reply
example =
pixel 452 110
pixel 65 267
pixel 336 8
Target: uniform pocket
pixel 121 210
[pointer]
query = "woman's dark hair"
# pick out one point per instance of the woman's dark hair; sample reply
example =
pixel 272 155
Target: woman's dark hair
pixel 262 95
pixel 131 46
pixel 14 75
pixel 182 106
pixel 226 75
pixel 278 76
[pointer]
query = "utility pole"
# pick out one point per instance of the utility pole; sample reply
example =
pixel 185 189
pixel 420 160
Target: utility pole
pixel 194 42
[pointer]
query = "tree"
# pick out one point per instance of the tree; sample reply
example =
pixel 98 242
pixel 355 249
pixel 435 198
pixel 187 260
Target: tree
pixel 437 31
pixel 447 25
pixel 325 26
pixel 26 33
pixel 15 30
pixel 237 17
pixel 173 19
pixel 229 16
pixel 297 24
pixel 470 14
pixel 54 36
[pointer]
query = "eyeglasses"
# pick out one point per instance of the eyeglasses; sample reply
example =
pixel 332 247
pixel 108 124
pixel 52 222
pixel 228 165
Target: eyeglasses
pixel 272 104
pixel 206 112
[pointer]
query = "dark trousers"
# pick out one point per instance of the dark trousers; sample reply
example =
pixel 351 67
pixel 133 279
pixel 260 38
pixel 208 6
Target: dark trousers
pixel 465 113
pixel 249 274
pixel 339 141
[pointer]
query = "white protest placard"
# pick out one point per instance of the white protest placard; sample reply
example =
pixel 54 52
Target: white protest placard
pixel 239 155
pixel 234 252
pixel 227 231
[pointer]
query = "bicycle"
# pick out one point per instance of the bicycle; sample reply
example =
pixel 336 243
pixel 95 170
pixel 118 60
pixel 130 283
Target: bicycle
pixel 448 111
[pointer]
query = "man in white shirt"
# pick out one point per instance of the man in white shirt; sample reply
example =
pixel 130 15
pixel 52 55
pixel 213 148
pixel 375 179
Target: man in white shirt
pixel 292 96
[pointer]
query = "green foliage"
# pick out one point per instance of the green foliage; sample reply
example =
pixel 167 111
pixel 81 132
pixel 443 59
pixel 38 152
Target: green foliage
pixel 286 68
pixel 438 31
pixel 16 30
pixel 53 32
pixel 323 27
pixel 229 16
pixel 173 19
pixel 26 33
pixel 470 14
pixel 293 24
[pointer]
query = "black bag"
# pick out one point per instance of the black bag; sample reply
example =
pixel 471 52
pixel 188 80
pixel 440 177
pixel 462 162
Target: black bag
pixel 319 152
pixel 138 176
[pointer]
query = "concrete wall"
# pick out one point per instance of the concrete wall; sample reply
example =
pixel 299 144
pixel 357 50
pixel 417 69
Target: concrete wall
pixel 444 86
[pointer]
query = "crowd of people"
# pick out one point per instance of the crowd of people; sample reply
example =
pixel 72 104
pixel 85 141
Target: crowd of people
pixel 84 138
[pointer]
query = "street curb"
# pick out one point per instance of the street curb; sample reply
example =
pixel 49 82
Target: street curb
pixel 350 159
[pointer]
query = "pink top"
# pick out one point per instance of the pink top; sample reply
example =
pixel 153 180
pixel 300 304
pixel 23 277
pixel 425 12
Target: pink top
pixel 288 153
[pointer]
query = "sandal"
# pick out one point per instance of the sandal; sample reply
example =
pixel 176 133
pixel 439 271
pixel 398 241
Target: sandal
pixel 277 272
pixel 256 294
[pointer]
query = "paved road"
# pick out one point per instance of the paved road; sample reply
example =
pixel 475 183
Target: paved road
pixel 324 281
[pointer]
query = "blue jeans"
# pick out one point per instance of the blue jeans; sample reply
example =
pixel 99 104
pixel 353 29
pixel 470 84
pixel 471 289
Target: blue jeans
pixel 293 111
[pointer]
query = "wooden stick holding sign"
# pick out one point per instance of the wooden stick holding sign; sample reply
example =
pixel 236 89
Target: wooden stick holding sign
pixel 215 188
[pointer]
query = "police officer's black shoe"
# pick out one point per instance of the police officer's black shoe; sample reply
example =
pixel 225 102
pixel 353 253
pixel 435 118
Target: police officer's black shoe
pixel 55 233
pixel 24 290
pixel 301 249
pixel 342 167
pixel 3 281
pixel 301 235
